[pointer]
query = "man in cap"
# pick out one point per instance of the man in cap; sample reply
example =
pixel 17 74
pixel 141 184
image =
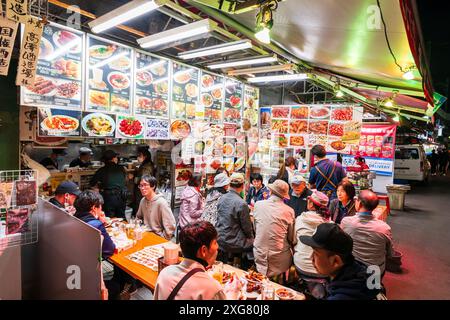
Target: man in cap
pixel 233 225
pixel 52 161
pixel 84 159
pixel 275 236
pixel 65 195
pixel 332 257
pixel 111 181
pixel 298 195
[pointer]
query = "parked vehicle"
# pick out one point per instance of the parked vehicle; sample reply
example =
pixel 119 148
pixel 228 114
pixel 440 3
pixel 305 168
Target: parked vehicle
pixel 411 163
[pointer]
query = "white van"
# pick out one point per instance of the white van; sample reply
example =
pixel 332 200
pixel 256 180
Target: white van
pixel 411 163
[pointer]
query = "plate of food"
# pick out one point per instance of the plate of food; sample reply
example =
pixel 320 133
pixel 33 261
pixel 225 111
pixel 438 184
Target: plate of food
pixel 298 126
pixel 338 145
pixel 320 113
pixel 180 129
pixel 228 149
pixel 101 51
pixel 159 70
pixel 119 80
pixel 343 114
pixel 254 277
pixel 280 126
pixel 159 105
pixel 98 124
pixel 285 294
pixel 161 87
pixel 130 127
pixel 235 101
pixel 239 164
pixel 144 78
pixel 68 68
pixel 46 48
pixel 217 94
pixel 281 112
pixel 182 77
pixel 207 100
pixel 191 90
pixel 98 98
pixel 299 112
pixel 43 86
pixel 62 38
pixel 252 115
pixel 297 141
pixel 215 164
pixel 318 127
pixel 231 113
pixel 336 129
pixel 121 63
pixel 120 102
pixel 60 123
pixel 207 81
pixel 68 90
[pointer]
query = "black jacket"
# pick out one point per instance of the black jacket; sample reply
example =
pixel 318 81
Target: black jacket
pixel 110 177
pixel 299 203
pixel 79 163
pixel 351 284
pixel 56 203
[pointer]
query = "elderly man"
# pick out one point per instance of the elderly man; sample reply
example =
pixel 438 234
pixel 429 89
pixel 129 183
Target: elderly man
pixel 298 195
pixel 275 234
pixel 233 225
pixel 372 238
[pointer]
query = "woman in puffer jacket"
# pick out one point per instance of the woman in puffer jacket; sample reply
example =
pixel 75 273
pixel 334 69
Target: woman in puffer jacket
pixel 192 202
pixel 221 186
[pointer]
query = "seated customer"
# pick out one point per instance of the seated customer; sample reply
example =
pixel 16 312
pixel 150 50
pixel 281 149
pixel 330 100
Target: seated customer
pixel 188 280
pixel 332 257
pixel 344 205
pixel 155 209
pixel 298 195
pixel 65 196
pixel 305 225
pixel 372 238
pixel 258 191
pixel 89 210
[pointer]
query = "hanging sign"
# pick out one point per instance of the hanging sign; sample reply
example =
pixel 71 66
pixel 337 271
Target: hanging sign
pixel 17 10
pixel 29 52
pixel 8 30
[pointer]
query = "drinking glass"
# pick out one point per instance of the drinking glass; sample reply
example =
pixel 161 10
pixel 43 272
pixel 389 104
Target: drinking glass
pixel 268 291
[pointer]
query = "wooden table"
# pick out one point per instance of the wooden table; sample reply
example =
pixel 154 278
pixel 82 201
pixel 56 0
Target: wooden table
pixel 146 275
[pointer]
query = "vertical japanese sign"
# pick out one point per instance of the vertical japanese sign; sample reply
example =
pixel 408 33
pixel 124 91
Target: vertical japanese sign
pixel 17 10
pixel 29 52
pixel 8 30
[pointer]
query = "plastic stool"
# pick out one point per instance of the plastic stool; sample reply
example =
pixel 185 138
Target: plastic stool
pixel 386 199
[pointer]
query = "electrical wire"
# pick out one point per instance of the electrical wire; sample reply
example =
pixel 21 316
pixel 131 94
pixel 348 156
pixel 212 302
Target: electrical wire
pixel 386 37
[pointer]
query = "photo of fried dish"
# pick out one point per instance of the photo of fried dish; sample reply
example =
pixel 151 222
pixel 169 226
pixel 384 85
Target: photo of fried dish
pixel 42 86
pixel 182 77
pixel 280 112
pixel 338 145
pixel 298 126
pixel 144 103
pixel 213 114
pixel 217 94
pixel 159 105
pixel 98 98
pixel 297 141
pixel 207 81
pixel 121 102
pixel 98 124
pixel 68 90
pixel 190 111
pixel 191 90
pixel 180 129
pixel 319 113
pixel 318 127
pixel 336 129
pixel 254 276
pixel 60 123
pixel 122 63
pixel 67 68
pixel 299 113
pixel 280 126
pixel 231 113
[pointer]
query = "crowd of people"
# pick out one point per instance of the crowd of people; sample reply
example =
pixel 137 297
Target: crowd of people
pixel 319 228
pixel 439 162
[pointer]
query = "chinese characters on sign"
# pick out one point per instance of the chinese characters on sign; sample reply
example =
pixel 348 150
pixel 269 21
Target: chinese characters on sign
pixel 8 30
pixel 17 10
pixel 29 53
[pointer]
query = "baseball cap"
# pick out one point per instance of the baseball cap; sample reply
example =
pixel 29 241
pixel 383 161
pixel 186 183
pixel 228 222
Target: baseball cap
pixel 331 237
pixel 297 179
pixel 68 187
pixel 237 178
pixel 85 150
pixel 108 155
pixel 221 180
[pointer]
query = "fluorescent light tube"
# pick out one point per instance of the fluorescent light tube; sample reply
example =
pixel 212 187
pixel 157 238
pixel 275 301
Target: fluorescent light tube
pixel 124 13
pixel 221 48
pixel 281 67
pixel 152 65
pixel 244 62
pixel 109 60
pixel 283 77
pixel 62 50
pixel 176 34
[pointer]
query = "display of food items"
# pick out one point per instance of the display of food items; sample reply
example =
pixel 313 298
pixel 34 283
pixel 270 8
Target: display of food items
pixel 213 114
pixel 98 98
pixel 252 115
pixel 298 126
pixel 119 102
pixel 299 112
pixel 68 89
pixel 98 124
pixel 338 145
pixel 144 103
pixel 63 38
pixel 207 100
pixel 280 112
pixel 102 51
pixel 280 126
pixel 319 113
pixel 207 81
pixel 379 140
pixel 344 114
pixel 42 86
pixel 130 127
pixel 233 99
pixel 228 149
pixel 144 78
pixel 121 63
pixel 180 129
pixel 118 80
pixel 336 129
pixel 297 141
pixel 60 123
pixel 232 114
pixel 182 77
pixel 191 90
pixel 68 68
pixel 318 127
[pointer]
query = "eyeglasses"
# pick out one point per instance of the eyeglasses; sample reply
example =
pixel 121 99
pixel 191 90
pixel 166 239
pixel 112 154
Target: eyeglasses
pixel 142 186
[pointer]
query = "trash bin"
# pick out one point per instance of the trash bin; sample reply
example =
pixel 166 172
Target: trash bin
pixel 396 194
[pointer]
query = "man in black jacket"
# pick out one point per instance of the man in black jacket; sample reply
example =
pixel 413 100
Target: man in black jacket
pixel 298 195
pixel 65 195
pixel 332 257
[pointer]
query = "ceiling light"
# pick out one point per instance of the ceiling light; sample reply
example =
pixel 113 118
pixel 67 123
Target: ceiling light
pixel 62 50
pixel 283 77
pixel 389 103
pixel 124 13
pixel 244 62
pixel 281 67
pixel 221 48
pixel 177 34
pixel 408 75
pixel 263 35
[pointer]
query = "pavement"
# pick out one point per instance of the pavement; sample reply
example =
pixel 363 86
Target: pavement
pixel 421 234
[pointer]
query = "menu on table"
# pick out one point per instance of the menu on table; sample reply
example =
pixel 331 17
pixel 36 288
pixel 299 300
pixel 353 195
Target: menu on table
pixel 212 96
pixel 152 86
pixel 251 105
pixel 58 122
pixel 130 127
pixel 109 76
pixel 59 71
pixel 233 101
pixel 184 91
pixel 98 124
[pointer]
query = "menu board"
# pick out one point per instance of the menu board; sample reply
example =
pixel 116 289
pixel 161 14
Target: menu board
pixel 251 105
pixel 157 129
pixel 58 122
pixel 109 76
pixel 376 141
pixel 233 101
pixel 130 127
pixel 59 70
pixel 184 91
pixel 152 86
pixel 96 124
pixel 212 96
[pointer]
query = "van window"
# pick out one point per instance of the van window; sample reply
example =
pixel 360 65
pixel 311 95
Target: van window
pixel 407 154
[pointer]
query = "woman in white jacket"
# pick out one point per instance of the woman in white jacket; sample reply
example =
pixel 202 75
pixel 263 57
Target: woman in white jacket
pixel 305 225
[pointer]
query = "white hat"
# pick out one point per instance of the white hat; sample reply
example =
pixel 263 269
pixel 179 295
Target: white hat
pixel 297 179
pixel 221 180
pixel 84 150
